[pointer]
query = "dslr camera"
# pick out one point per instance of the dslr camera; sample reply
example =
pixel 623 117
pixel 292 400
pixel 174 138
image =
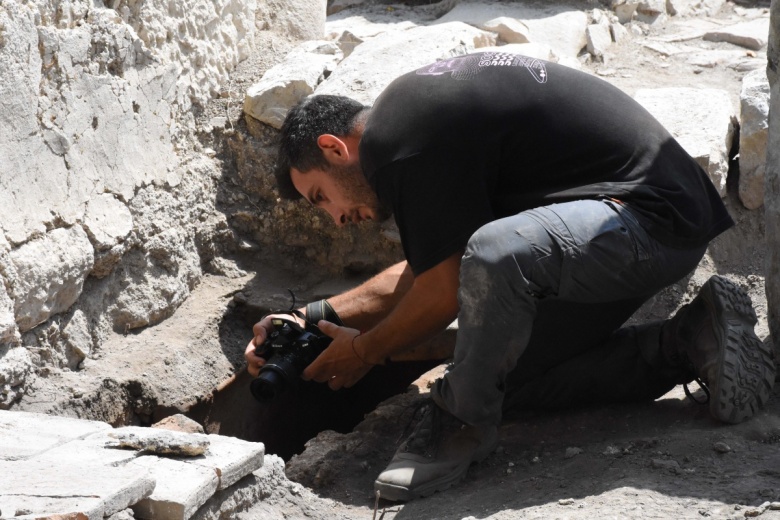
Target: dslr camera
pixel 289 349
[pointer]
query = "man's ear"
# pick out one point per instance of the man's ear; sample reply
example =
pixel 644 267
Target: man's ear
pixel 333 148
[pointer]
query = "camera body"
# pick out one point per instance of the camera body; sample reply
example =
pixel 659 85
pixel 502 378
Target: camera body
pixel 289 349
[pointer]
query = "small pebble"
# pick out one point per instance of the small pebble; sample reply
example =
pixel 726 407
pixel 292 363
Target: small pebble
pixel 536 460
pixel 721 447
pixel 566 501
pixel 572 452
pixel 612 450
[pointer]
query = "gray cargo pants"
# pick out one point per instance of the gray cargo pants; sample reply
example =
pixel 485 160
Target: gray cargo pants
pixel 543 295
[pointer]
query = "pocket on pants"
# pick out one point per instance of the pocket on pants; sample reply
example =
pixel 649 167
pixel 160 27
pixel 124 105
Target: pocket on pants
pixel 602 258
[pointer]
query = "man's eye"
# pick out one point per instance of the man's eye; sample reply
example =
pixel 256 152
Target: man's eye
pixel 318 197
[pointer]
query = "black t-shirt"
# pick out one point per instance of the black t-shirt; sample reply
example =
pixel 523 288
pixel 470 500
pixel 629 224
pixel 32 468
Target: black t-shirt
pixel 459 143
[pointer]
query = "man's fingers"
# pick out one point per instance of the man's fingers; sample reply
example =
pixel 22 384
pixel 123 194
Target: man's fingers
pixel 331 329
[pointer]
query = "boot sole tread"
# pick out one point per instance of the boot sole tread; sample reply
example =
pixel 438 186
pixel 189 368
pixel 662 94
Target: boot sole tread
pixel 746 370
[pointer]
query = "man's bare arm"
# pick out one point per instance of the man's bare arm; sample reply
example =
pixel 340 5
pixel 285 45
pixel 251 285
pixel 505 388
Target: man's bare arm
pixel 426 308
pixel 369 303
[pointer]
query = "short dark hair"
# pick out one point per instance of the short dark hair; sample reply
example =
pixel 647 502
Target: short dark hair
pixel 305 122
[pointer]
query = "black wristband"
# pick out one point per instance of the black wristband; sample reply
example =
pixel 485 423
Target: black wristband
pixel 321 310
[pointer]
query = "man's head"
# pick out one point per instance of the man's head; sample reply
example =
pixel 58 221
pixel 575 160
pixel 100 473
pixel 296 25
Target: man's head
pixel 318 159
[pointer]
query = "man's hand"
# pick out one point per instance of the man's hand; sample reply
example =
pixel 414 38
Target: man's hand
pixel 261 330
pixel 338 365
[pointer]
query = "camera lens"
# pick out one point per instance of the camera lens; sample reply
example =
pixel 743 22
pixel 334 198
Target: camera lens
pixel 267 385
pixel 275 377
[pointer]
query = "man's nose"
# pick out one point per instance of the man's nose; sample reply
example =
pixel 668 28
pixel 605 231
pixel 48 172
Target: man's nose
pixel 338 216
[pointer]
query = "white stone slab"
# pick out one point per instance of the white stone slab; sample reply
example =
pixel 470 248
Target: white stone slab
pixel 702 120
pixel 49 488
pixel 753 34
pixel 24 434
pixel 181 488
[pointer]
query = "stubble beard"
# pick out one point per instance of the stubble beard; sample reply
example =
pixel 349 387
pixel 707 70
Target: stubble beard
pixel 356 189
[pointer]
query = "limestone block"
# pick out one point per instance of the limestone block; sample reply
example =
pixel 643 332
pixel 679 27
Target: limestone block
pixel 24 434
pixel 702 120
pixel 15 367
pixel 158 441
pixel 752 34
pixel 289 82
pixel 181 488
pixel 539 51
pixel 508 29
pixel 50 488
pixel 558 27
pixel 50 274
pixel 753 133
pixel 231 459
pixel 107 221
pixel 375 63
pixel 253 492
pixel 599 40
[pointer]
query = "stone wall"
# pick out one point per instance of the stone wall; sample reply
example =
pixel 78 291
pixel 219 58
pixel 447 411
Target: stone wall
pixel 107 198
pixel 772 199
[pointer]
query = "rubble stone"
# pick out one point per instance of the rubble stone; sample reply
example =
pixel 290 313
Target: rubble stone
pixel 289 82
pixel 599 40
pixel 161 442
pixel 179 423
pixel 561 29
pixel 107 221
pixel 41 289
pixel 508 29
pixel 753 133
pixel 702 120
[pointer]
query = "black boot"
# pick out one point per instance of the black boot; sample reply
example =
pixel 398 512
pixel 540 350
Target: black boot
pixel 713 338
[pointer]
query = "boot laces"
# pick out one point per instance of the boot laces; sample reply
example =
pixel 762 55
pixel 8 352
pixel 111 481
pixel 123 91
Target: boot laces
pixel 427 433
pixel 703 386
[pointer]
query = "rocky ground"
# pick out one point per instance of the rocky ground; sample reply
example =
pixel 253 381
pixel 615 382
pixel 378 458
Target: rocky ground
pixel 666 459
